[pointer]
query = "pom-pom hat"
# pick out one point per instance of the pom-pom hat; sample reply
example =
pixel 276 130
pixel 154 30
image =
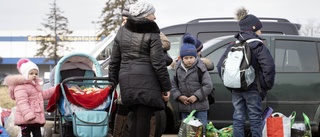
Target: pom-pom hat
pixel 24 65
pixel 247 22
pixel 198 43
pixel 188 47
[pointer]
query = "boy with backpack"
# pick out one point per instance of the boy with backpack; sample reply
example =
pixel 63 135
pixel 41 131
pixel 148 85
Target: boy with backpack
pixel 187 88
pixel 247 69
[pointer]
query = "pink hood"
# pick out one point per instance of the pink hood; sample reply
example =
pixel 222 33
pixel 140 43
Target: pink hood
pixel 15 80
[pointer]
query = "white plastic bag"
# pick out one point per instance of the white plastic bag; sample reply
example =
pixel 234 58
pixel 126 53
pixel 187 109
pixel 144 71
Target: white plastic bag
pixel 190 127
pixel 12 129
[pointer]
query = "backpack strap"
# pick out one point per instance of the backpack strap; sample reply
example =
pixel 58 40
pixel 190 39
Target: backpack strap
pixel 175 77
pixel 251 40
pixel 200 75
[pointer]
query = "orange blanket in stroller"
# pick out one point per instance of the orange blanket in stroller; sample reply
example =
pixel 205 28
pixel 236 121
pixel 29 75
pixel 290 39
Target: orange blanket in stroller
pixel 88 101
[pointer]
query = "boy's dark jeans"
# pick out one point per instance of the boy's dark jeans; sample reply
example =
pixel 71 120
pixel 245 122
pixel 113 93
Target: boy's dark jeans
pixel 248 101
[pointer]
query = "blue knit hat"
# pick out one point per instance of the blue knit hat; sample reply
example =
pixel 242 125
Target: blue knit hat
pixel 248 22
pixel 198 44
pixel 188 47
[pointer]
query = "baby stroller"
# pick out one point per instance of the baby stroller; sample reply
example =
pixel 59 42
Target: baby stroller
pixel 83 96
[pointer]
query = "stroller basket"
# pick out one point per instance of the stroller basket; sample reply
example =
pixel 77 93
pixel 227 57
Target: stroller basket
pixel 89 122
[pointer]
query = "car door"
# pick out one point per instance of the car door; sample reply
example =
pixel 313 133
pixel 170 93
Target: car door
pixel 297 82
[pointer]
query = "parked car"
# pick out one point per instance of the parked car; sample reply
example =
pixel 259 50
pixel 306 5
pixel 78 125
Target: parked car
pixel 297 82
pixel 204 29
pixel 208 28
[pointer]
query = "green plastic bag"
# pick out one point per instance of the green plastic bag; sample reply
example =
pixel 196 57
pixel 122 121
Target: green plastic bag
pixel 211 131
pixel 223 132
pixel 301 129
pixel 226 131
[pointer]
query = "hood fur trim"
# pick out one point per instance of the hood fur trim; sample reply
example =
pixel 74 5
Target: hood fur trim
pixel 12 81
pixel 141 25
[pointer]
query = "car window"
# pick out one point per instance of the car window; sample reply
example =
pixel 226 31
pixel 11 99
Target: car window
pixel 205 36
pixel 175 41
pixel 296 56
pixel 216 55
pixel 106 53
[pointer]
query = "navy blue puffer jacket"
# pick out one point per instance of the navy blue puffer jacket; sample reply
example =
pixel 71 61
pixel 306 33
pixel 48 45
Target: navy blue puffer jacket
pixel 261 60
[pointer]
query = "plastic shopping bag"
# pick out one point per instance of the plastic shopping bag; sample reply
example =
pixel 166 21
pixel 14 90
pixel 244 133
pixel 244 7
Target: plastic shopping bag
pixel 223 132
pixel 190 127
pixel 278 125
pixel 226 131
pixel 265 114
pixel 211 131
pixel 300 129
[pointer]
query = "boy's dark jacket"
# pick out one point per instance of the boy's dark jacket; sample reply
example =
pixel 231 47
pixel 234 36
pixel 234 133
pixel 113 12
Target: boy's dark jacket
pixel 189 84
pixel 262 61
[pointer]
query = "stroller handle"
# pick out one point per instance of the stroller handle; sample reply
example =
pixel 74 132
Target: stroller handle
pixel 87 78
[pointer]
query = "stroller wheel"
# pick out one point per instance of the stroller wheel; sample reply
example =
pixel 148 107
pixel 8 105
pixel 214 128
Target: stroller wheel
pixel 109 135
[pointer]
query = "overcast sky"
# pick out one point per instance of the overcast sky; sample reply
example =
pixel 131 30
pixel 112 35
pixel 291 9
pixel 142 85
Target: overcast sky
pixel 29 14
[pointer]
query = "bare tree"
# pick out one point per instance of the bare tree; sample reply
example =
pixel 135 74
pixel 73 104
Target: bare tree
pixel 56 26
pixel 312 28
pixel 111 16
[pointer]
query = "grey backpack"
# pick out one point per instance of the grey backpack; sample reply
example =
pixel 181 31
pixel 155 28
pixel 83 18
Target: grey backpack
pixel 236 70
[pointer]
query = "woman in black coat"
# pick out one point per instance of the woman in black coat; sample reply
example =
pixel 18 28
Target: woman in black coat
pixel 137 64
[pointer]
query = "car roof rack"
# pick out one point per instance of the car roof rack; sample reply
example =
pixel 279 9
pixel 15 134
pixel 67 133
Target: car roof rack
pixel 233 19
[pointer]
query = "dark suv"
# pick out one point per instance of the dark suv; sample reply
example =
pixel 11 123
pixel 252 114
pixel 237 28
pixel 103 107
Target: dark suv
pixel 297 83
pixel 208 28
pixel 204 29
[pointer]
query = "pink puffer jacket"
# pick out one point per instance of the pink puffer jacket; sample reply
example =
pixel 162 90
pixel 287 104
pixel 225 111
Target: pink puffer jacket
pixel 29 99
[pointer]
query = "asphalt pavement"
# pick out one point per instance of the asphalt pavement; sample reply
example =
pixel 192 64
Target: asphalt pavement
pixel 169 135
pixel 49 124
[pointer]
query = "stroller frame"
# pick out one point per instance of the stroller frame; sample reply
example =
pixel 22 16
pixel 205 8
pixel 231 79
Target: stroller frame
pixel 97 80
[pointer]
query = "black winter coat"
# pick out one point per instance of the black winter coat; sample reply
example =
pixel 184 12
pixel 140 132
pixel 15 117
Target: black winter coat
pixel 137 63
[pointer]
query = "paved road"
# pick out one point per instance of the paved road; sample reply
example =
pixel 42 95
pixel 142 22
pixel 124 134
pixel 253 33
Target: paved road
pixel 49 125
pixel 171 135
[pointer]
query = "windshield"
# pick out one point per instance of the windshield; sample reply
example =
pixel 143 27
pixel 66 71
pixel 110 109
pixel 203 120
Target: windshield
pixel 101 50
pixel 175 41
pixel 211 42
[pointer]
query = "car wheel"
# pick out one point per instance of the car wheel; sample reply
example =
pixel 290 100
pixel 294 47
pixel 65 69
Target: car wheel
pixel 161 122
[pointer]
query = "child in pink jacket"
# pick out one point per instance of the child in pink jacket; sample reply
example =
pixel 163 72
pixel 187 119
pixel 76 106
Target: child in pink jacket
pixel 27 92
